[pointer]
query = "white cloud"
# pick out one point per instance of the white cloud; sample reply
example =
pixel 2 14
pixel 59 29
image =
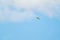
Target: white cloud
pixel 16 15
pixel 50 7
pixel 47 6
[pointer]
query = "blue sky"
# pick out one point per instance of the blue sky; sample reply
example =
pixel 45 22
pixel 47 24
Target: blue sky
pixel 18 20
pixel 44 29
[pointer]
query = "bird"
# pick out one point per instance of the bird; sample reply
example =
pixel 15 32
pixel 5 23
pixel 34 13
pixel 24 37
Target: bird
pixel 38 18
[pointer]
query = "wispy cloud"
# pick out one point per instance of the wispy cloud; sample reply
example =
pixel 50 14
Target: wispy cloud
pixel 16 15
pixel 50 7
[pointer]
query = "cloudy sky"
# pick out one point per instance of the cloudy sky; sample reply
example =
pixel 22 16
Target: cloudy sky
pixel 18 20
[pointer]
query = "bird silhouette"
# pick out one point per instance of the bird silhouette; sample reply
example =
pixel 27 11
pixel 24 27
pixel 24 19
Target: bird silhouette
pixel 38 18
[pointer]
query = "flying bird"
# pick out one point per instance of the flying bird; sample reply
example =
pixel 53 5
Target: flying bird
pixel 38 18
